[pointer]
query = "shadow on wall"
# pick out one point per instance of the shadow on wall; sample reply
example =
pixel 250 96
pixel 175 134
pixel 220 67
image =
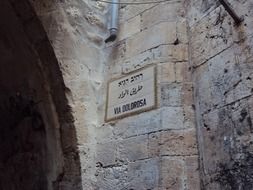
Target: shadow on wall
pixel 37 135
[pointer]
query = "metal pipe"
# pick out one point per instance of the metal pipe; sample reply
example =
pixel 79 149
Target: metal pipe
pixel 114 18
pixel 232 13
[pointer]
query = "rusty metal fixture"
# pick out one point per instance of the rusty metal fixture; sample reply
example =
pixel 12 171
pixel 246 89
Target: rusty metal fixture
pixel 231 12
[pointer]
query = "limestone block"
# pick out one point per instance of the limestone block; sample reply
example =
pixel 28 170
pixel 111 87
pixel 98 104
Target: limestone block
pixel 153 144
pixel 129 11
pixel 138 125
pixel 162 53
pixel 114 177
pixel 158 54
pixel 180 67
pixel 172 118
pixel 166 73
pixel 143 174
pixel 162 33
pixel 129 28
pixel 134 148
pixel 104 133
pixel 171 94
pixel 106 153
pixel 187 94
pixel 189 116
pixel 179 53
pixel 179 142
pixel 182 31
pixel 160 13
pixel 211 36
pixel 192 172
pixel 141 60
pixel 172 173
pixel 187 70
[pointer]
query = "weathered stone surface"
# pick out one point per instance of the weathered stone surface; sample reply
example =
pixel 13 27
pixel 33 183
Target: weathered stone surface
pixel 106 153
pixel 224 75
pixel 127 153
pixel 138 125
pixel 203 89
pixel 130 11
pixel 178 143
pixel 134 148
pixel 166 73
pixel 129 28
pixel 182 30
pixel 171 95
pixel 180 70
pixel 192 172
pixel 144 174
pixel 172 118
pixel 153 144
pixel 222 93
pixel 172 174
pixel 211 36
pixel 199 9
pixel 170 12
pixel 139 43
pixel 179 52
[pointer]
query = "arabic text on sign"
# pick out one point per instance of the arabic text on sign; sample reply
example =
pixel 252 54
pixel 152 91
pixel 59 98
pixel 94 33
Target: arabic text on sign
pixel 132 92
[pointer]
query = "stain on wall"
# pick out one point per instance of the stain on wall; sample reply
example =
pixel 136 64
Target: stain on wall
pixel 222 60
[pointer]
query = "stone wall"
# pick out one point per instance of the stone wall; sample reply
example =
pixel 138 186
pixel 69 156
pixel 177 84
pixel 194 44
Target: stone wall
pixel 151 150
pixel 221 58
pixel 155 149
pixel 195 47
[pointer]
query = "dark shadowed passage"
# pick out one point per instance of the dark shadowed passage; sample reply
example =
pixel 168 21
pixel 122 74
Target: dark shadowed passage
pixel 34 115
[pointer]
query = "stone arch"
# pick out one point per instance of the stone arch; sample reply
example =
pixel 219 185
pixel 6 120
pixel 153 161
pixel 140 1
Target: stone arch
pixel 37 134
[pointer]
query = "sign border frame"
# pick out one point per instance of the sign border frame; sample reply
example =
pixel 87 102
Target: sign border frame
pixel 138 111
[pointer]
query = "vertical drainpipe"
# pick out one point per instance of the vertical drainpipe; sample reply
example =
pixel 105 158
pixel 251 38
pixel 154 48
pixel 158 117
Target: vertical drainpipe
pixel 113 25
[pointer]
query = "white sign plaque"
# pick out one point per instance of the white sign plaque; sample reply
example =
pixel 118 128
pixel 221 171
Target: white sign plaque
pixel 131 94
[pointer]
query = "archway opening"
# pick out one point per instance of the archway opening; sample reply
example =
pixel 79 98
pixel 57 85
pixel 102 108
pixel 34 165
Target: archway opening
pixel 37 135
